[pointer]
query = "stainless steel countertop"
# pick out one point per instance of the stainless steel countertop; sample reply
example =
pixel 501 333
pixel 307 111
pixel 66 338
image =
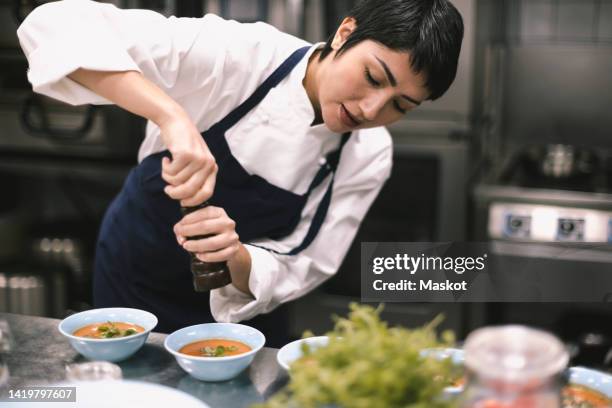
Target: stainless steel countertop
pixel 40 354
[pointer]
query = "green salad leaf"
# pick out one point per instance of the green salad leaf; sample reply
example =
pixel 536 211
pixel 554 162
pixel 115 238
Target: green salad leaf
pixel 369 364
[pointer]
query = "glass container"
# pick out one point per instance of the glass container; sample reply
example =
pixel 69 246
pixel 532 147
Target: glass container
pixel 513 367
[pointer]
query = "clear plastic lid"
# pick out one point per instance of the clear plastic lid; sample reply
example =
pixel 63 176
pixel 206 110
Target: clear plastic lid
pixel 514 354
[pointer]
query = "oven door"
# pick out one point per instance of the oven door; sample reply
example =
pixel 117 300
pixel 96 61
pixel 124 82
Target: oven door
pixel 39 126
pixel 570 288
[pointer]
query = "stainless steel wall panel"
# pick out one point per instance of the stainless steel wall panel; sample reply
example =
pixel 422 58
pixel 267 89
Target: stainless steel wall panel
pixel 604 25
pixel 556 93
pixel 537 19
pixel 576 21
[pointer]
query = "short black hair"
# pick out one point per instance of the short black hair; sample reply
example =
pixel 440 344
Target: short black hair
pixel 432 30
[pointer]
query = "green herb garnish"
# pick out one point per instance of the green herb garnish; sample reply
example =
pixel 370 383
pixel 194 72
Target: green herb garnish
pixel 111 331
pixel 368 364
pixel 218 351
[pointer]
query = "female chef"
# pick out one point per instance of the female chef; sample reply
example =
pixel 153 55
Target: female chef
pixel 283 138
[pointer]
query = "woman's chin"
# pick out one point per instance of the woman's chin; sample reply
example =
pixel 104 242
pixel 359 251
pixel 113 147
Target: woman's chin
pixel 335 129
pixel 334 125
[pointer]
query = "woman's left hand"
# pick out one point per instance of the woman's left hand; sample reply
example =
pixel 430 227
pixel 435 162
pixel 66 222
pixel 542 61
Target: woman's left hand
pixel 223 242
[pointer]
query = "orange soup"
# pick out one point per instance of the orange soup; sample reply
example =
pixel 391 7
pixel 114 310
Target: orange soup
pixel 108 330
pixel 215 348
pixel 576 396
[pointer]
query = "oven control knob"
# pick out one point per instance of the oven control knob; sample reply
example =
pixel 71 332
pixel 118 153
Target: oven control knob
pixel 570 229
pixel 516 223
pixel 566 226
pixel 517 226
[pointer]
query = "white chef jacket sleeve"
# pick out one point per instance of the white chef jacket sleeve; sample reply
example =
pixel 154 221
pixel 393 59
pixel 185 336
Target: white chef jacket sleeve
pixel 364 167
pixel 60 37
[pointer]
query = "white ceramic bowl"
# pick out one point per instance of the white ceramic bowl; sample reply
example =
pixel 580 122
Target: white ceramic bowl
pixel 293 351
pixel 114 349
pixel 593 379
pixel 215 368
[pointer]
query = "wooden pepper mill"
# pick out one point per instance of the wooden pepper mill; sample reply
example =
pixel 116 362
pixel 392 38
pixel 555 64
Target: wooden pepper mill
pixel 206 275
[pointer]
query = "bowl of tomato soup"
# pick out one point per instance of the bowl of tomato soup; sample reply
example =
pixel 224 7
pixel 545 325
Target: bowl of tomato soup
pixel 585 388
pixel 109 334
pixel 215 351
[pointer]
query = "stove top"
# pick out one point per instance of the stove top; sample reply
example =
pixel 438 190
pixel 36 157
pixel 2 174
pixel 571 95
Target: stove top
pixel 519 173
pixel 523 204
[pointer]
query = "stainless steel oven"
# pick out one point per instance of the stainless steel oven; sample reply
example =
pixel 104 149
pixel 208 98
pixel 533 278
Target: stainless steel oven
pixel 552 228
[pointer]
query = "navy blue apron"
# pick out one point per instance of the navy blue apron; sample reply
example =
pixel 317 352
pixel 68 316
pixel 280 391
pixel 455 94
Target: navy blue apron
pixel 138 260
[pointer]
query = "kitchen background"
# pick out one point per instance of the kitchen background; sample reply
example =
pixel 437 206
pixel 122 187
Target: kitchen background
pixel 518 153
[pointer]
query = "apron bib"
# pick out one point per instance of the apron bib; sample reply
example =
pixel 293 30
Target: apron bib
pixel 138 261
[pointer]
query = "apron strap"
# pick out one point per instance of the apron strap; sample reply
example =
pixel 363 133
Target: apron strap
pixel 278 75
pixel 330 166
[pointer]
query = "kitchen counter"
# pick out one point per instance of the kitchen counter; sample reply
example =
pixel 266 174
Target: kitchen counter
pixel 40 354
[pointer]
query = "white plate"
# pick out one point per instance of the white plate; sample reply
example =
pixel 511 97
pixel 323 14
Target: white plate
pixel 122 394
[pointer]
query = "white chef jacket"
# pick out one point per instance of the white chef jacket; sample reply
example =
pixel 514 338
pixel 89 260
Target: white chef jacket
pixel 209 66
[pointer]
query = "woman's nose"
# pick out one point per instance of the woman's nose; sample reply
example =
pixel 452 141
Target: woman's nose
pixel 372 105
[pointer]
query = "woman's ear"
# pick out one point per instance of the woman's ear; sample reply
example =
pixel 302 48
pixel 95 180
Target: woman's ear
pixel 345 29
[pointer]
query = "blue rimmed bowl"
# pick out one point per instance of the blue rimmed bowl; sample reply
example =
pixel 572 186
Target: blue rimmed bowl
pixel 114 349
pixel 215 368
pixel 586 377
pixel 293 351
pixel 593 379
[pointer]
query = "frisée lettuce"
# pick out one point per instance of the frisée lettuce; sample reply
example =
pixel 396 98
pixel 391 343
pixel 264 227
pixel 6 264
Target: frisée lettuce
pixel 368 364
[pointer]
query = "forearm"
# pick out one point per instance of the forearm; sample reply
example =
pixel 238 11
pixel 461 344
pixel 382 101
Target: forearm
pixel 240 270
pixel 131 91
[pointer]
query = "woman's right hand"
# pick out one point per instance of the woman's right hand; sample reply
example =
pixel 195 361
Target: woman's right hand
pixel 192 171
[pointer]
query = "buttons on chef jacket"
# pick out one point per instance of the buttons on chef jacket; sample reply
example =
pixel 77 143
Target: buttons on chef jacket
pixel 322 160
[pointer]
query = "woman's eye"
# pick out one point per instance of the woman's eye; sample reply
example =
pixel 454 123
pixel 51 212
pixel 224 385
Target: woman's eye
pixel 371 79
pixel 399 108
